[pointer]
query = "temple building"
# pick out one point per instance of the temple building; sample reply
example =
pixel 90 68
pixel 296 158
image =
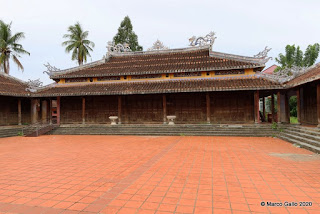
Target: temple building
pixel 195 84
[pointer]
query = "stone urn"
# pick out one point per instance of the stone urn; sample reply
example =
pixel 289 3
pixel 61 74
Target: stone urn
pixel 171 119
pixel 113 120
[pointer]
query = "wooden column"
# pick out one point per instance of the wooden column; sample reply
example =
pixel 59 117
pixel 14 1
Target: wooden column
pixel 279 106
pixel 318 104
pixel 50 111
pixel 83 110
pixel 19 112
pixel 272 108
pixel 44 111
pixel 164 107
pixel 208 107
pixel 58 110
pixel 34 111
pixel 264 107
pixel 119 109
pixel 256 107
pixel 298 106
pixel 287 108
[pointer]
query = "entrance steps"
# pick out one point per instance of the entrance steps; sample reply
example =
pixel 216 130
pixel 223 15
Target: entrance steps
pixel 304 137
pixel 10 131
pixel 41 130
pixel 166 130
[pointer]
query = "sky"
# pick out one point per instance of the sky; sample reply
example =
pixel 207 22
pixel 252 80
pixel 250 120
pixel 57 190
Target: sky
pixel 242 27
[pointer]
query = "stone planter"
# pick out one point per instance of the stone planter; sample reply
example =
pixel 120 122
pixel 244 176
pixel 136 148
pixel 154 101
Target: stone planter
pixel 171 119
pixel 113 120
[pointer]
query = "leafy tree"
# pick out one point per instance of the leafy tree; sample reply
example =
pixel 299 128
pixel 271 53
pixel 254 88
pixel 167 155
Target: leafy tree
pixel 78 43
pixel 294 56
pixel 9 47
pixel 127 35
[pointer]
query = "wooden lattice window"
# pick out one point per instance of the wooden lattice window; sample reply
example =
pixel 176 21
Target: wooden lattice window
pixel 230 72
pixel 187 74
pixel 108 78
pixel 150 76
pixel 76 80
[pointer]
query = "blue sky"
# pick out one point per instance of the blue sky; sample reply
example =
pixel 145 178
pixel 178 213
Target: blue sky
pixel 242 27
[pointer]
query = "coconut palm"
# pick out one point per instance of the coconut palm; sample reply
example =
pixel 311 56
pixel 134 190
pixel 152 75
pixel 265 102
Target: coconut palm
pixel 9 47
pixel 78 43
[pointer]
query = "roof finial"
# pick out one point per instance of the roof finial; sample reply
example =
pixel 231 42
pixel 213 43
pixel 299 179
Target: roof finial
pixel 157 46
pixel 201 41
pixel 264 54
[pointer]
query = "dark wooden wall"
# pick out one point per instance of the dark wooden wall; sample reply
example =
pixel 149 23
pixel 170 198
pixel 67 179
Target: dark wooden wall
pixel 9 110
pixel 100 108
pixel 142 109
pixel 309 104
pixel 232 107
pixel 70 110
pixel 187 107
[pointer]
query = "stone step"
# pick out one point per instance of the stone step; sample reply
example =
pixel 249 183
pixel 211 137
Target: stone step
pixel 301 144
pixel 303 135
pixel 298 138
pixel 310 131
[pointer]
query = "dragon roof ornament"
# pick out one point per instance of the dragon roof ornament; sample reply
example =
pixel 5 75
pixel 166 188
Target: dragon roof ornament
pixel 285 75
pixel 117 48
pixel 201 41
pixel 34 85
pixel 157 46
pixel 263 54
pixel 50 69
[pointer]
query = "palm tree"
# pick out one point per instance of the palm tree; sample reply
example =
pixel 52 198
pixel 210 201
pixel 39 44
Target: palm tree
pixel 9 47
pixel 78 43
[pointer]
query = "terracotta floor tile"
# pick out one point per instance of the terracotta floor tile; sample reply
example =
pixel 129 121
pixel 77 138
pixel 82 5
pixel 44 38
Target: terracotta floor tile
pixel 112 174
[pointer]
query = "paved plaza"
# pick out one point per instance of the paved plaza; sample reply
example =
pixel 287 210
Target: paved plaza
pixel 141 174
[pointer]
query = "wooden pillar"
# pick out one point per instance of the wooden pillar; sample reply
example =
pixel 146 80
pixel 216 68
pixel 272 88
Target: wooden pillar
pixel 50 111
pixel 208 107
pixel 298 106
pixel 318 104
pixel 272 108
pixel 279 106
pixel 83 110
pixel 34 111
pixel 164 107
pixel 19 112
pixel 44 111
pixel 119 109
pixel 264 107
pixel 58 110
pixel 256 107
pixel 287 108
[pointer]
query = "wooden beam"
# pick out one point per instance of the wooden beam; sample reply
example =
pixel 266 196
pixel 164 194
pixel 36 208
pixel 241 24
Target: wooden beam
pixel 256 107
pixel 50 111
pixel 279 106
pixel 164 107
pixel 119 109
pixel 19 112
pixel 318 104
pixel 58 110
pixel 298 106
pixel 208 107
pixel 272 108
pixel 83 110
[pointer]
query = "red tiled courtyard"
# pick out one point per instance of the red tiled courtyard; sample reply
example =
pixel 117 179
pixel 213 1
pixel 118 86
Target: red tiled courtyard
pixel 135 174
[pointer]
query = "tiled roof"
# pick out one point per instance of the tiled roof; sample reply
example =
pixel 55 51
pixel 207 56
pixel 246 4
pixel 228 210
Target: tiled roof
pixel 171 61
pixel 10 86
pixel 159 86
pixel 270 70
pixel 312 74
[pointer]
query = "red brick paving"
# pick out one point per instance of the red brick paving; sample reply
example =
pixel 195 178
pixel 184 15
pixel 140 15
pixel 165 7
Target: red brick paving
pixel 131 174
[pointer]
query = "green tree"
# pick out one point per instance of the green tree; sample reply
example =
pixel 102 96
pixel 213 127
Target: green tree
pixel 78 43
pixel 10 48
pixel 294 57
pixel 127 35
